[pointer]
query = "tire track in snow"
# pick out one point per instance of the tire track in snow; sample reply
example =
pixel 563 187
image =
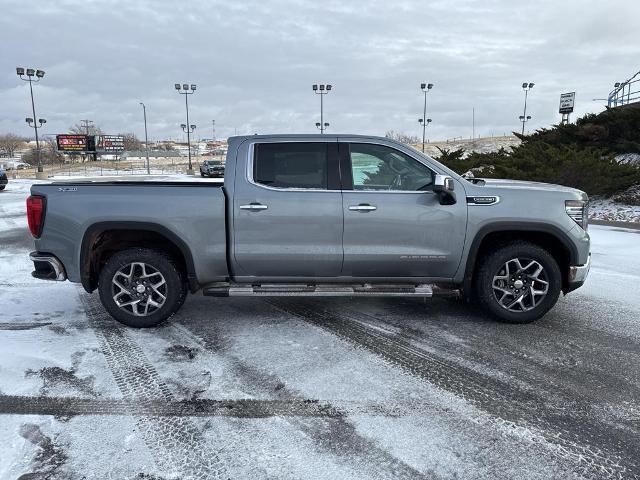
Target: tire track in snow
pixel 605 452
pixel 176 443
pixel 335 435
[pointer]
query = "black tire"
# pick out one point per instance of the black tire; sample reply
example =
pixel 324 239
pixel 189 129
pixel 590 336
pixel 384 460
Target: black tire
pixel 174 288
pixel 2 187
pixel 492 265
pixel 201 174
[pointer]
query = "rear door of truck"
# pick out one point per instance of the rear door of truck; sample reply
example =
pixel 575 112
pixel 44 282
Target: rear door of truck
pixel 287 209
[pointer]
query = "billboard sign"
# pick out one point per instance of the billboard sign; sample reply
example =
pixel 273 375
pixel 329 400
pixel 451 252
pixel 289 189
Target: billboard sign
pixel 109 143
pixel 566 102
pixel 75 143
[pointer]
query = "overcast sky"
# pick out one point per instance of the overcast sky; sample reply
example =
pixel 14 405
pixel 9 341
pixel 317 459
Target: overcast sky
pixel 254 63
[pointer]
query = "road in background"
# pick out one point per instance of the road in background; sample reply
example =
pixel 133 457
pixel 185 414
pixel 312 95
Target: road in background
pixel 330 388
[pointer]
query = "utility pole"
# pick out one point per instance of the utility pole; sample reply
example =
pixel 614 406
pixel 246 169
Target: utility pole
pixel 213 130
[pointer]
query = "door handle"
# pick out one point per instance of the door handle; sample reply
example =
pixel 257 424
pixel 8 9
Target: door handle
pixel 253 207
pixel 363 207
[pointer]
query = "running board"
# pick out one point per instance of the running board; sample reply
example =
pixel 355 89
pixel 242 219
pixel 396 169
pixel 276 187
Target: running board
pixel 328 290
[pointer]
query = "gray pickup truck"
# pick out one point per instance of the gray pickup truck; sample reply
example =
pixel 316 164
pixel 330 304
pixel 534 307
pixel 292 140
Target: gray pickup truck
pixel 313 215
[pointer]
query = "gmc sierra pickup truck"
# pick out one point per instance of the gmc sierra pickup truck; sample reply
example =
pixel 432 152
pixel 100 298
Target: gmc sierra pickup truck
pixel 313 215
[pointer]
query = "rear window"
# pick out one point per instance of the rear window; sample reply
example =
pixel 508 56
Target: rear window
pixel 291 165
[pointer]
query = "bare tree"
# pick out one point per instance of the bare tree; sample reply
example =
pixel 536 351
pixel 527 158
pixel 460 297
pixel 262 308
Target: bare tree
pixel 402 137
pixel 9 143
pixel 80 129
pixel 131 142
pixel 48 153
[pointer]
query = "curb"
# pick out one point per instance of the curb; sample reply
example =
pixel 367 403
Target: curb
pixel 612 223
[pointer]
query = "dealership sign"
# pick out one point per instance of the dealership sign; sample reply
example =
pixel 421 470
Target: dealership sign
pixel 76 143
pixel 109 143
pixel 566 102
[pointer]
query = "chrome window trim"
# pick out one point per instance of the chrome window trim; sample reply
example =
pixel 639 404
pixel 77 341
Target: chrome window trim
pixel 249 168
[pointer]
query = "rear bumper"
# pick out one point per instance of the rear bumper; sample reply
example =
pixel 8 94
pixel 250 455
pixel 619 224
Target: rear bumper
pixel 577 275
pixel 47 267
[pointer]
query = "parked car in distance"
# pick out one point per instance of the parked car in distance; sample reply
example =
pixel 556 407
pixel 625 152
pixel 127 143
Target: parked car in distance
pixel 314 215
pixel 3 179
pixel 16 165
pixel 212 168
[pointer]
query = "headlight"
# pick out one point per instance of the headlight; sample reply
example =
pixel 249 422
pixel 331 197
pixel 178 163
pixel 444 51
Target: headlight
pixel 578 210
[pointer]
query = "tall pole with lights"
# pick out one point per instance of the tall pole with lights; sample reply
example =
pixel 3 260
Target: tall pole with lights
pixel 146 138
pixel 424 128
pixel 524 118
pixel 322 90
pixel 186 90
pixel 27 75
pixel 425 87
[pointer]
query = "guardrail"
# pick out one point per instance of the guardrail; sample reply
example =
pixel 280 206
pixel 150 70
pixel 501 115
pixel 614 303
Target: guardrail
pixel 625 92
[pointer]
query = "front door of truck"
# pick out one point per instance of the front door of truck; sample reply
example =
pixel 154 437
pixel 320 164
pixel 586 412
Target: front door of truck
pixel 288 211
pixel 394 225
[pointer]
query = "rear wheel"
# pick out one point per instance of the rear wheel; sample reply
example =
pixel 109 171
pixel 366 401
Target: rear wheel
pixel 518 283
pixel 141 287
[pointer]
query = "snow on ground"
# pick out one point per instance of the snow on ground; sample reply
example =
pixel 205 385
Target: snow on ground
pixel 332 388
pixel 607 209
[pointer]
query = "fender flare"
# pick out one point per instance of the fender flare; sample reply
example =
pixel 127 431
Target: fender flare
pixel 88 239
pixel 495 227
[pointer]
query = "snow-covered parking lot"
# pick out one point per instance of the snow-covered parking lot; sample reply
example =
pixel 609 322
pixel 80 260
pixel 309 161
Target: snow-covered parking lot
pixel 326 389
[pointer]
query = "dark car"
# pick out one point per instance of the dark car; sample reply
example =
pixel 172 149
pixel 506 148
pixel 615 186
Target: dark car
pixel 212 168
pixel 3 179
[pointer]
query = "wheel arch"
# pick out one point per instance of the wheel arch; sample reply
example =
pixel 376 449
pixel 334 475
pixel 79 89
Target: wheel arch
pixel 547 236
pixel 102 239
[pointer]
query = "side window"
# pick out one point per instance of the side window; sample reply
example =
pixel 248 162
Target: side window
pixel 377 167
pixel 291 165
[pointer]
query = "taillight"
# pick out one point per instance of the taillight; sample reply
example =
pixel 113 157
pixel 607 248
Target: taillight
pixel 35 215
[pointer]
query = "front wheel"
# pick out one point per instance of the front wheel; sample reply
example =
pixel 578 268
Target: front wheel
pixel 518 283
pixel 141 287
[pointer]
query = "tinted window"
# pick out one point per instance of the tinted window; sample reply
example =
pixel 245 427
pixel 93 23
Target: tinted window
pixel 291 165
pixel 376 167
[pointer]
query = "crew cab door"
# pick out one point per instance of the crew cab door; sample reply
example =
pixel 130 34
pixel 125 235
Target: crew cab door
pixel 394 224
pixel 287 210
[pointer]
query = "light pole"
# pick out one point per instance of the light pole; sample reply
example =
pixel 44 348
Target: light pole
pixel 321 90
pixel 186 90
pixel 146 138
pixel 425 87
pixel 213 130
pixel 424 128
pixel 189 129
pixel 27 75
pixel 524 118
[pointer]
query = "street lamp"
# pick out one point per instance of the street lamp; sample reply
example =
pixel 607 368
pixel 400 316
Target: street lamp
pixel 424 127
pixel 28 77
pixel 523 118
pixel 186 90
pixel 322 90
pixel 425 87
pixel 146 138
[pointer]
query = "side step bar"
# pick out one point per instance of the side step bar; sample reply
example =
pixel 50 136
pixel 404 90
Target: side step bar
pixel 328 290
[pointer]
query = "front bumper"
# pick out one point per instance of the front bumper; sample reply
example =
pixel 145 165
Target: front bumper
pixel 577 275
pixel 47 267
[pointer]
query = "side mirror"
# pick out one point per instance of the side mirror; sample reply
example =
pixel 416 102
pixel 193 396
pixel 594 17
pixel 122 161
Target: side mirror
pixel 443 186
